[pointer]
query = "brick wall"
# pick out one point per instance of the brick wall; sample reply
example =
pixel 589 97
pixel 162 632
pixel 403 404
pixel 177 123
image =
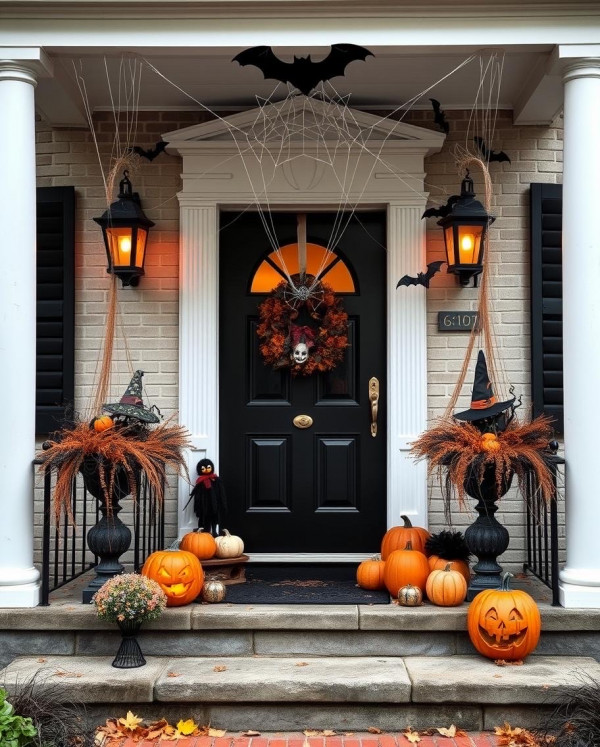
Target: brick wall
pixel 149 315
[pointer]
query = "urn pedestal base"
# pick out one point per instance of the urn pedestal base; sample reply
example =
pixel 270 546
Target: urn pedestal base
pixel 486 537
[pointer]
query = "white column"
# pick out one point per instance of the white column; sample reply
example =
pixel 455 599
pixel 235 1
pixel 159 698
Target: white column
pixel 580 579
pixel 199 315
pixel 19 585
pixel 407 365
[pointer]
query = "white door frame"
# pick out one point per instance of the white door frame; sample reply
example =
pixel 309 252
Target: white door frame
pixel 214 179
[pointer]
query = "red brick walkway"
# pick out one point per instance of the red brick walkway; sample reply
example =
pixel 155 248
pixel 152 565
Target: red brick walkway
pixel 299 740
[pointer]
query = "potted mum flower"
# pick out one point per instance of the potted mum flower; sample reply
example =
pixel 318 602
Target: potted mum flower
pixel 129 600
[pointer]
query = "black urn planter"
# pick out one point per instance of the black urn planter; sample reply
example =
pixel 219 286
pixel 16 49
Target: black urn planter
pixel 486 537
pixel 109 538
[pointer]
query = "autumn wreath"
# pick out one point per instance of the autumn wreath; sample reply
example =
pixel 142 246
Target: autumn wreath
pixel 303 326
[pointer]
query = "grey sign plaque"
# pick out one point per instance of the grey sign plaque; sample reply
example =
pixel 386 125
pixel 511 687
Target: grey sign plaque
pixel 456 321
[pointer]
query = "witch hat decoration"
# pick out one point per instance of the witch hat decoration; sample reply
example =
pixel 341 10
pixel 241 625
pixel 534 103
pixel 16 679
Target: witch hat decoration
pixel 483 401
pixel 131 403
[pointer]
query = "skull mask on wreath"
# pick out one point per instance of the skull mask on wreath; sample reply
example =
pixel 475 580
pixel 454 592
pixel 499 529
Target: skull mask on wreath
pixel 302 340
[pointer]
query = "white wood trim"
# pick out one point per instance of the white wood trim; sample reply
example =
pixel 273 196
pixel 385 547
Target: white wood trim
pixel 200 201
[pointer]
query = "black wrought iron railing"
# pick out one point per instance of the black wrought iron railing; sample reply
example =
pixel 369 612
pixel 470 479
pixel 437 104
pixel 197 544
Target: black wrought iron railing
pixel 542 529
pixel 65 554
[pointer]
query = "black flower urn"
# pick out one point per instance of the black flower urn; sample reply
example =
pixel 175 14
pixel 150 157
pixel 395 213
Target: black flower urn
pixel 109 538
pixel 486 537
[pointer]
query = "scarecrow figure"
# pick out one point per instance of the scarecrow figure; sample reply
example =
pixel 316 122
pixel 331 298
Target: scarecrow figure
pixel 210 501
pixel 486 413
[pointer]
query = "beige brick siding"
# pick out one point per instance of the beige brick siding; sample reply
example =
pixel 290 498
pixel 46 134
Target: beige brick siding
pixel 149 315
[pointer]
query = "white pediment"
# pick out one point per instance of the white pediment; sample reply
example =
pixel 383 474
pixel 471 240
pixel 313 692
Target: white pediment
pixel 304 120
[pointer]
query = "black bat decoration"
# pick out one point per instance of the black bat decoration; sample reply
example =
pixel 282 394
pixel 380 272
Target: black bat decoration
pixel 443 210
pixel 440 116
pixel 490 155
pixel 303 73
pixel 150 154
pixel 422 278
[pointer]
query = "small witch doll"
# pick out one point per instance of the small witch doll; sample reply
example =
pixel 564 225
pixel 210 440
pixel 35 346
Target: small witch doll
pixel 210 501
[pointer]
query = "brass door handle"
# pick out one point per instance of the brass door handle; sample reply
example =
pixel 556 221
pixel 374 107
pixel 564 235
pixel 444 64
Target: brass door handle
pixel 374 400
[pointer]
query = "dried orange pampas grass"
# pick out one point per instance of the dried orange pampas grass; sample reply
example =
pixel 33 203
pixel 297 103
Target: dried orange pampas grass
pixel 459 448
pixel 134 448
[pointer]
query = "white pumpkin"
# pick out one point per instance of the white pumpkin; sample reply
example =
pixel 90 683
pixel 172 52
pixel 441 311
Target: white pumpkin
pixel 229 546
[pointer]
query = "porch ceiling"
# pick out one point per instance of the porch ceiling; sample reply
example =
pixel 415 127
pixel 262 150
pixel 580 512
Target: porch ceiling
pixel 392 77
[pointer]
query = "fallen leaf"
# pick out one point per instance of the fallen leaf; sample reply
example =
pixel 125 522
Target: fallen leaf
pixel 348 733
pixel 374 730
pixel 63 673
pixel 504 663
pixel 173 674
pixel 42 660
pixel 302 664
pixel 250 733
pixel 412 736
pixel 187 727
pixel 220 668
pixel 311 733
pixel 449 732
pixel 217 732
pixel 130 722
pixel 328 733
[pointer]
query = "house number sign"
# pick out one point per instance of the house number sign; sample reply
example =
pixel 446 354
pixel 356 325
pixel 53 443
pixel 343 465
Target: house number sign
pixel 456 321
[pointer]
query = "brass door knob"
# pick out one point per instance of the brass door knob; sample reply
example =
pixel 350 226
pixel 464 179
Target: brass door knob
pixel 303 421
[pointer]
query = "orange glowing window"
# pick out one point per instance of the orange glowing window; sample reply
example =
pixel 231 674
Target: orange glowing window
pixel 334 271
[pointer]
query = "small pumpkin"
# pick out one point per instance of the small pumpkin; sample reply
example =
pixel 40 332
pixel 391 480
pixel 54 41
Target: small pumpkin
pixel 446 588
pixel 213 591
pixel 489 442
pixel 103 423
pixel 229 545
pixel 397 537
pixel 504 623
pixel 178 573
pixel 369 574
pixel 201 544
pixel 404 567
pixel 410 596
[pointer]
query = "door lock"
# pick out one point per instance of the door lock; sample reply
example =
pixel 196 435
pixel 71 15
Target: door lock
pixel 374 400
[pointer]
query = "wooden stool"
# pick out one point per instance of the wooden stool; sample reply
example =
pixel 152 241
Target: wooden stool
pixel 228 571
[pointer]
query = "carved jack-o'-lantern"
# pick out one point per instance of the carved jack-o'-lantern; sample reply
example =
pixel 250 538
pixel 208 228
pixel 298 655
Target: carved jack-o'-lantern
pixel 178 573
pixel 504 623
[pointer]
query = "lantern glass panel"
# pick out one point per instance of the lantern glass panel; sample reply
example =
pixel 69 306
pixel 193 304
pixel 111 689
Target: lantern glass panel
pixel 120 243
pixel 142 236
pixel 469 244
pixel 449 238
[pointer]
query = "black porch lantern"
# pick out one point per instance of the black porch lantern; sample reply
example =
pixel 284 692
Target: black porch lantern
pixel 125 230
pixel 464 233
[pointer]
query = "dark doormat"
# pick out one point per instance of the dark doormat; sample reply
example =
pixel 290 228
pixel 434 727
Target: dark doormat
pixel 302 584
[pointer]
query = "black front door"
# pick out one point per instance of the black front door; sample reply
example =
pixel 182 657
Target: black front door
pixel 323 488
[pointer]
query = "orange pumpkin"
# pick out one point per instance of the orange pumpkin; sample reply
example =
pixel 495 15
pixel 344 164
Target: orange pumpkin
pixel 446 588
pixel 397 537
pixel 369 574
pixel 199 543
pixel 489 442
pixel 103 423
pixel 438 564
pixel 178 573
pixel 404 567
pixel 504 623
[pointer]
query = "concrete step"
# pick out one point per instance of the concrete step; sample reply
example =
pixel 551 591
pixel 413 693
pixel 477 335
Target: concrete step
pixel 287 693
pixel 282 630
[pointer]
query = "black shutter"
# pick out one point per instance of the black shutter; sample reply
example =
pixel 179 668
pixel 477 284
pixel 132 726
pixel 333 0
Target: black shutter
pixel 546 302
pixel 55 364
